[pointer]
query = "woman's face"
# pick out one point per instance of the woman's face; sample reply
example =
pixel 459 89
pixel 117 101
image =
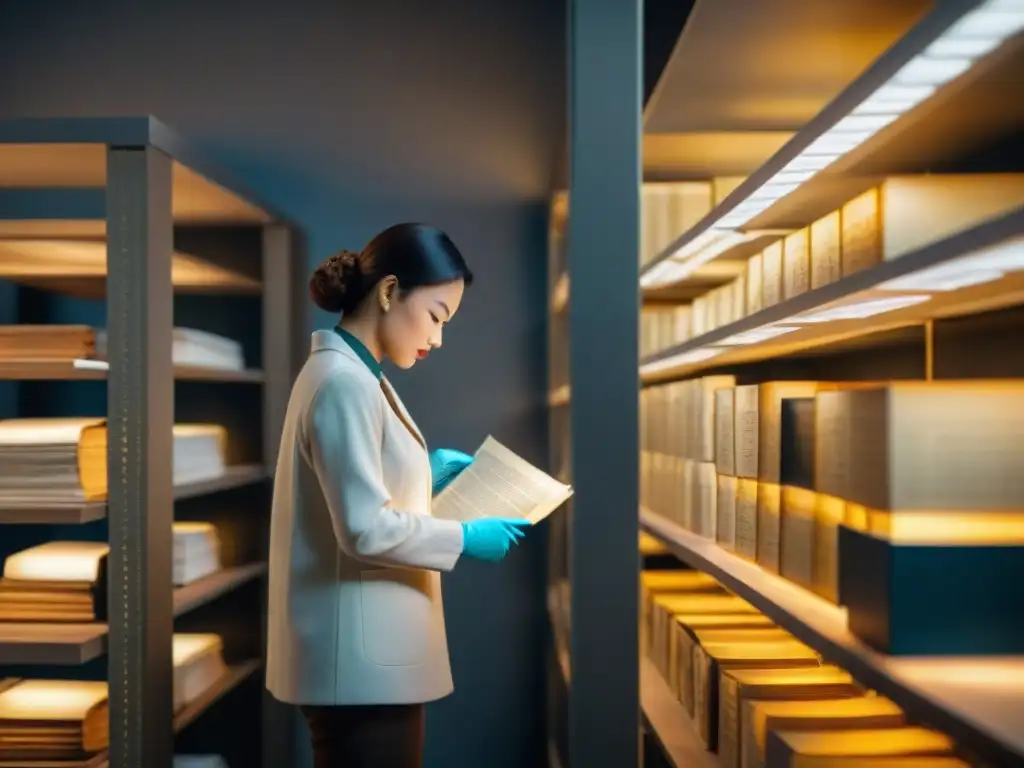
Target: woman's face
pixel 414 322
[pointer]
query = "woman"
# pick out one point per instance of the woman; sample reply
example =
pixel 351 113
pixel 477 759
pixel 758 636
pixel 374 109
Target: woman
pixel 356 627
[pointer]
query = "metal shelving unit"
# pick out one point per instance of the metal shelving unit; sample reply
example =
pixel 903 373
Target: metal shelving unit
pixel 753 113
pixel 159 236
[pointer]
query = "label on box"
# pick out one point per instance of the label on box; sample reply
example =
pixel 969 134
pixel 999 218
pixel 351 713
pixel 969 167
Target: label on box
pixel 826 251
pixel 797 263
pixel 861 233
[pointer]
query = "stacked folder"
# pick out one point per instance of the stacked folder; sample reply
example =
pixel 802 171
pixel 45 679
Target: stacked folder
pixel 43 720
pixel 57 581
pixel 64 461
pixel 198 665
pixel 196 552
pixel 760 698
pixel 65 581
pixel 68 720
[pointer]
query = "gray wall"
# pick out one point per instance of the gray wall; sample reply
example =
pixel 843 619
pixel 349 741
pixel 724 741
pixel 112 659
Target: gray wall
pixel 350 116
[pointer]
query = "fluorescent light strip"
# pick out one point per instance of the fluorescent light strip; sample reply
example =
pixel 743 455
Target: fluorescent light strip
pixel 859 310
pixel 854 311
pixel 975 35
pixel 977 269
pixel 756 335
pixel 686 358
pixel 699 251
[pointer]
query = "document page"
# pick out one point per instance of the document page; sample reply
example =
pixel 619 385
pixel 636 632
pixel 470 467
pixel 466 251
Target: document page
pixel 500 484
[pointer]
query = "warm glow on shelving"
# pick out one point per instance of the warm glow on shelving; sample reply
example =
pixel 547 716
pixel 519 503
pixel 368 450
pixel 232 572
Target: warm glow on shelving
pixel 969 39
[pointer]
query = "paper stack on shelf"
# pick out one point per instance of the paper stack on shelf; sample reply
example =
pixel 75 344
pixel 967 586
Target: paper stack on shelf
pixel 43 720
pixel 66 580
pixel 196 552
pixel 198 665
pixel 57 581
pixel 64 461
pixel 190 346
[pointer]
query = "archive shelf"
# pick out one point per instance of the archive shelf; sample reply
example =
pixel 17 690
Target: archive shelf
pixel 926 135
pixel 126 223
pixel 756 112
pixel 977 700
pixel 781 329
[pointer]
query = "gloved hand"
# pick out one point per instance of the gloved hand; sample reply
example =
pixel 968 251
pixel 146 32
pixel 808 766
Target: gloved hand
pixel 445 466
pixel 490 538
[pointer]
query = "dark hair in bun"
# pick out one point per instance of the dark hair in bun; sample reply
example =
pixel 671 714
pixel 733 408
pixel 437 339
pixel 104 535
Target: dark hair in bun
pixel 416 254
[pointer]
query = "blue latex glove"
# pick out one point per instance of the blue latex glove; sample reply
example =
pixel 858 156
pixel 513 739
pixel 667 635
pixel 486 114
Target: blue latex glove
pixel 445 466
pixel 490 538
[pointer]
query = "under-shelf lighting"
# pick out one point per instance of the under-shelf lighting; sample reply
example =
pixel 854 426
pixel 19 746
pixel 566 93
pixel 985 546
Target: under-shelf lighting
pixel 860 309
pixel 686 358
pixel 976 269
pixel 756 335
pixel 974 35
pixel 708 245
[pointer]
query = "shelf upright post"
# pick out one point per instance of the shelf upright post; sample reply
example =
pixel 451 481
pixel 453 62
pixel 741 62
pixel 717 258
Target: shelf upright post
pixel 140 414
pixel 279 365
pixel 605 72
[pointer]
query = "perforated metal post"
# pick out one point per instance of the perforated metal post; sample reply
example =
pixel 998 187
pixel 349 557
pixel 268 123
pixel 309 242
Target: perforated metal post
pixel 140 413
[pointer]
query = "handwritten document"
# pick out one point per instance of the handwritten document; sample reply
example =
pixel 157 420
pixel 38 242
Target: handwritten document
pixel 500 484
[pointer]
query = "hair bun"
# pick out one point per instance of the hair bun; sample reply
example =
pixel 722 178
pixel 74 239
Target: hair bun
pixel 336 282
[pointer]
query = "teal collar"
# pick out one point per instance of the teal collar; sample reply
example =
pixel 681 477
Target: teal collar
pixel 361 351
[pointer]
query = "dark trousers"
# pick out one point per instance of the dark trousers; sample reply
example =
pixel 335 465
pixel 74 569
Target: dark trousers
pixel 380 736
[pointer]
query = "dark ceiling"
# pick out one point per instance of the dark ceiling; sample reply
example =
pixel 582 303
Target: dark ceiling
pixel 663 21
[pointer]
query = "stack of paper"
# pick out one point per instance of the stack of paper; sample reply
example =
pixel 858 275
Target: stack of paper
pixel 196 552
pixel 44 720
pixel 56 581
pixel 80 342
pixel 64 461
pixel 66 580
pixel 194 347
pixel 198 665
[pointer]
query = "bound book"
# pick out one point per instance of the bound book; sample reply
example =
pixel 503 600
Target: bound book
pixel 64 461
pixel 44 720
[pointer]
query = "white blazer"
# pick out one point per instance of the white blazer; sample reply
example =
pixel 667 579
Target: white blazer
pixel 355 614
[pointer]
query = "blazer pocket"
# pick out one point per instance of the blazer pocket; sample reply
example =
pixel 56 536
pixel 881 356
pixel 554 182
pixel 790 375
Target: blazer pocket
pixel 397 617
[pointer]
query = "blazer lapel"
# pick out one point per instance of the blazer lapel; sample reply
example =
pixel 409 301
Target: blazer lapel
pixel 399 409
